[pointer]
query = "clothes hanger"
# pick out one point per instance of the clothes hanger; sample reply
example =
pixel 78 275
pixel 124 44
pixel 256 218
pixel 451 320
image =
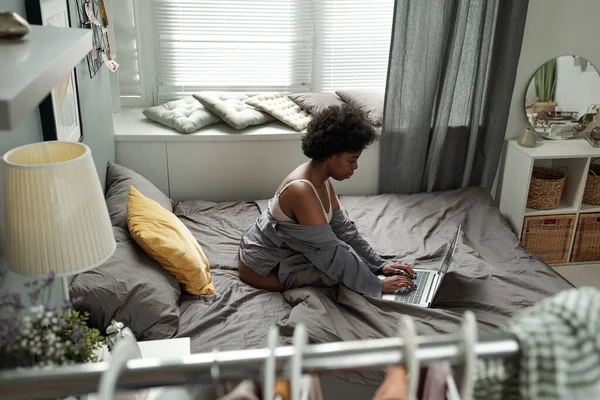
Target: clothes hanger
pixel 470 337
pixel 270 365
pixel 299 342
pixel 124 350
pixel 215 374
pixel 408 332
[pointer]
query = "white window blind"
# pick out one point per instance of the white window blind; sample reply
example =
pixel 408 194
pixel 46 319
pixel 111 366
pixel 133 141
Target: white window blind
pixel 246 45
pixel 126 43
pixel 266 45
pixel 352 44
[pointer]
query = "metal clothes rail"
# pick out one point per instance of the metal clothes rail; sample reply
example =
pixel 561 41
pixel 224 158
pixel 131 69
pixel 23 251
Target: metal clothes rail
pixel 364 355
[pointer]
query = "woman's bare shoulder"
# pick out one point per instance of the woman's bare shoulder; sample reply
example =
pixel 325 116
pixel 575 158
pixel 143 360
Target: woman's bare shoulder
pixel 296 174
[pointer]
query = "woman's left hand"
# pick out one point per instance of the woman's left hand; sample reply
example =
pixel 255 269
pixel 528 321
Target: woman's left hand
pixel 394 268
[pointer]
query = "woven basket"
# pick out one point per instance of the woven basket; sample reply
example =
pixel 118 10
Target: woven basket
pixel 591 194
pixel 549 237
pixel 587 239
pixel 545 188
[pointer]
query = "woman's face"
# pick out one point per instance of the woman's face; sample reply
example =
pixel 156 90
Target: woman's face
pixel 342 166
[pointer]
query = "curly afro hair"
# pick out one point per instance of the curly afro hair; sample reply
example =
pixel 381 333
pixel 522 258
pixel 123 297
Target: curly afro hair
pixel 337 130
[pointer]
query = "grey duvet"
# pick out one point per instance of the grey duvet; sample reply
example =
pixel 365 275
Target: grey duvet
pixel 491 274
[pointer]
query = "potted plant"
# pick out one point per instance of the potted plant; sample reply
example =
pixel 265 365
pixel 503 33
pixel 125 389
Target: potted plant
pixel 40 336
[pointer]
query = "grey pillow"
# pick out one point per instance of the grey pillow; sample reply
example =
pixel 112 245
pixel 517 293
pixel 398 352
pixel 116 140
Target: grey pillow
pixel 368 101
pixel 231 108
pixel 316 102
pixel 118 181
pixel 186 115
pixel 130 288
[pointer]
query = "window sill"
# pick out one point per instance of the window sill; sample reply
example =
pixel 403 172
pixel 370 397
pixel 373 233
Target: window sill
pixel 132 126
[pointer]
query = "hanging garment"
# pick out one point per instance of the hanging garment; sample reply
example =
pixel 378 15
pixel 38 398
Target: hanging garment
pixel 311 388
pixel 245 390
pixel 435 381
pixel 559 352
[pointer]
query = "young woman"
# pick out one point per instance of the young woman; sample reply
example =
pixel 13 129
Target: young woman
pixel 304 238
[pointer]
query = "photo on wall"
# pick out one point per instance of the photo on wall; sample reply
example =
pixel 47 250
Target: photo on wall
pixel 59 111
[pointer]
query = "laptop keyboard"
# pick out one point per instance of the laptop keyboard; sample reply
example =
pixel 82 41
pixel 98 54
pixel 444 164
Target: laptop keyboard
pixel 415 294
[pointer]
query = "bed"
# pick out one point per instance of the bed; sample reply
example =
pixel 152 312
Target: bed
pixel 491 274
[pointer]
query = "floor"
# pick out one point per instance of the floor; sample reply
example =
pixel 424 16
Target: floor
pixel 581 275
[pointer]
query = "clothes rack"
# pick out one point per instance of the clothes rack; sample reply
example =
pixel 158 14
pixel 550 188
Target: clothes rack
pixel 364 355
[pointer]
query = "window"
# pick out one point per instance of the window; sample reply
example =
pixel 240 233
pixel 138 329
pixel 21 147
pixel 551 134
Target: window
pixel 260 45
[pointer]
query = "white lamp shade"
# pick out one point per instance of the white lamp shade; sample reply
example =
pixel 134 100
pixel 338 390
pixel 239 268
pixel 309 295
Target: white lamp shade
pixel 54 210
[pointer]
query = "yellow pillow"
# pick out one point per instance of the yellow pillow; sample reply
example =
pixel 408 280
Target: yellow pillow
pixel 166 239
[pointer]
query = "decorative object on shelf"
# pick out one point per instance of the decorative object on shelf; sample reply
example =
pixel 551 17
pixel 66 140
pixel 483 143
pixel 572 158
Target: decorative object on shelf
pixel 545 188
pixel 13 26
pixel 591 193
pixel 587 239
pixel 549 237
pixel 528 138
pixel 562 94
pixel 59 112
pixel 42 336
pixel 56 218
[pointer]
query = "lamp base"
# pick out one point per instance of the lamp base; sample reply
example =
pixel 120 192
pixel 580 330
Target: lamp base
pixel 65 285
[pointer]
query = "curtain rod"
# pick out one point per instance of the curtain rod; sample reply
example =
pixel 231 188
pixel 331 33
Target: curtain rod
pixel 364 355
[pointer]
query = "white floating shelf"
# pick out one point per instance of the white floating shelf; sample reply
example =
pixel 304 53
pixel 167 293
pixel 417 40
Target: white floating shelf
pixel 31 67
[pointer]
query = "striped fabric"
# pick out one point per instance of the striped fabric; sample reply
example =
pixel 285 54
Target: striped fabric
pixel 559 341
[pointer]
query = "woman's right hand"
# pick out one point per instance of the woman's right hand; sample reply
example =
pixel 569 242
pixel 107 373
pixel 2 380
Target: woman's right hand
pixel 392 283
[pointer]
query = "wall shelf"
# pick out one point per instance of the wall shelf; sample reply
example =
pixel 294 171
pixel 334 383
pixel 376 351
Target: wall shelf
pixel 31 67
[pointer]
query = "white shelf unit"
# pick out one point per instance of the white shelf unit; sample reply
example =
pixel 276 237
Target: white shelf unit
pixel 576 155
pixel 32 66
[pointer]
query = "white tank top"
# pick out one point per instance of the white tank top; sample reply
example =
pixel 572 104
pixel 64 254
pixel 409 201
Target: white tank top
pixel 280 215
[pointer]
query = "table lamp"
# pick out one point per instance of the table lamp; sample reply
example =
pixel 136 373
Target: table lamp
pixel 55 215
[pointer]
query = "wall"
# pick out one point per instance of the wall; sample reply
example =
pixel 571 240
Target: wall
pixel 97 127
pixel 95 105
pixel 553 28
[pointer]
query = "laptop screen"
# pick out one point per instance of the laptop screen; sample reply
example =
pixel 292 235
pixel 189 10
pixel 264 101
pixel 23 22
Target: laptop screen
pixel 450 253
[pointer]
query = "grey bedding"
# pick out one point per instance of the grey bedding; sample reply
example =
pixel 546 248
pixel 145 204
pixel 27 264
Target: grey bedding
pixel 491 273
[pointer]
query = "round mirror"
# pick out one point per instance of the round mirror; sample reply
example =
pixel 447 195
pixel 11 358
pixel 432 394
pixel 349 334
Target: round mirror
pixel 563 99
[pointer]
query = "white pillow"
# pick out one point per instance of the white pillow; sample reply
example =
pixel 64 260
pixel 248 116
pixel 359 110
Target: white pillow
pixel 186 115
pixel 231 108
pixel 283 108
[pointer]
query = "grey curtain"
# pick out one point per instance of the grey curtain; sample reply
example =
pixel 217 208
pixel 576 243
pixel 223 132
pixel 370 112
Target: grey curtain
pixel 450 81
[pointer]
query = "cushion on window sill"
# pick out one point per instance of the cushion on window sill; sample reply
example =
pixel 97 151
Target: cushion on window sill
pixel 186 115
pixel 283 108
pixel 316 102
pixel 232 109
pixel 368 101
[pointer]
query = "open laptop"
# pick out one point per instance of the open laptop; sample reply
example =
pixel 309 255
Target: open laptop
pixel 428 280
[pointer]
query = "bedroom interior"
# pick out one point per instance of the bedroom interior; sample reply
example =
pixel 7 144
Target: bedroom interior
pixel 193 133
